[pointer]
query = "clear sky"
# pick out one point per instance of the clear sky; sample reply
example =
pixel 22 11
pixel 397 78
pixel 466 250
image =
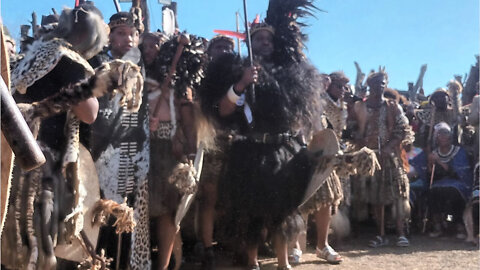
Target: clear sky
pixel 401 35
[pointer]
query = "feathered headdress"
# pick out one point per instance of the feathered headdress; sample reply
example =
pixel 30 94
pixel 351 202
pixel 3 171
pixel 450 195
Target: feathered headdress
pixel 282 16
pixel 189 70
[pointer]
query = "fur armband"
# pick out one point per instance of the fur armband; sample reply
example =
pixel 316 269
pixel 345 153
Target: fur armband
pixel 232 96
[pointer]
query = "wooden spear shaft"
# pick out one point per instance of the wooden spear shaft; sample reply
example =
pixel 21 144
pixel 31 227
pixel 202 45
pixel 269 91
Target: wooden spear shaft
pixel 183 40
pixel 425 217
pixel 249 45
pixel 27 152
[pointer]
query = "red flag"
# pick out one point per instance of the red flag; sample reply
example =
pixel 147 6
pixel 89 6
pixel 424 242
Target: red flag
pixel 230 33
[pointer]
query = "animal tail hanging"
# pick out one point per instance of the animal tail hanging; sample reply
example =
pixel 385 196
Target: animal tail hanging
pixel 122 212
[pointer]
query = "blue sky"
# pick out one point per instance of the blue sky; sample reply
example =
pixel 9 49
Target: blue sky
pixel 401 35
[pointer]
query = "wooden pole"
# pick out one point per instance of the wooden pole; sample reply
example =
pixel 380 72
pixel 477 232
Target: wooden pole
pixel 182 41
pixel 34 24
pixel 425 216
pixel 146 15
pixel 17 133
pixel 119 252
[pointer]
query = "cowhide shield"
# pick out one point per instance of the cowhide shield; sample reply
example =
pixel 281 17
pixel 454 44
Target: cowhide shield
pixel 89 180
pixel 323 147
pixel 187 199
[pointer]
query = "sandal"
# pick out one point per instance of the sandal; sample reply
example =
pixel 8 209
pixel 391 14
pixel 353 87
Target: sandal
pixel 378 242
pixel 295 257
pixel 329 254
pixel 286 267
pixel 402 241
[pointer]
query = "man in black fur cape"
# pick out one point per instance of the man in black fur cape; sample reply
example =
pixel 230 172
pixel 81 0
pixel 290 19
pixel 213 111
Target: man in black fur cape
pixel 268 168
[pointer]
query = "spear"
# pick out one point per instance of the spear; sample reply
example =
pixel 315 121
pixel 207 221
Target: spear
pixel 249 45
pixel 425 216
pixel 117 5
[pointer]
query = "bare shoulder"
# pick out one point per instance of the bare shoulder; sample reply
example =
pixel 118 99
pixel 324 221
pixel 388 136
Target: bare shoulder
pixel 360 106
pixel 394 107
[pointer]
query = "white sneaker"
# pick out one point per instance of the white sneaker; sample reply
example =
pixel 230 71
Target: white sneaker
pixel 295 257
pixel 329 254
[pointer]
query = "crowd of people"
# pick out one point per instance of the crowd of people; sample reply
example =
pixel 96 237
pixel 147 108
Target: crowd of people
pixel 263 148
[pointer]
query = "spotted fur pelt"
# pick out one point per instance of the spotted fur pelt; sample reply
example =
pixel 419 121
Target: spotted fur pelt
pixel 117 77
pixel 362 162
pixel 31 210
pixel 44 56
pixel 34 243
pixel 140 246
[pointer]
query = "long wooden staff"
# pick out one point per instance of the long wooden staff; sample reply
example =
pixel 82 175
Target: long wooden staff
pixel 16 131
pixel 182 41
pixel 428 151
pixel 425 216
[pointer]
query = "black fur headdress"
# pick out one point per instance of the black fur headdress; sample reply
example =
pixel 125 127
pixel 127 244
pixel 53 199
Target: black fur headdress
pixel 189 71
pixel 289 41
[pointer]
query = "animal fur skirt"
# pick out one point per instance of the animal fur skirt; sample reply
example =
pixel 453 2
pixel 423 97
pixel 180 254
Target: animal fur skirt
pixel 262 188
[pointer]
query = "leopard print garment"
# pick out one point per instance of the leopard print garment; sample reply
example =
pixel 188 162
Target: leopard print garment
pixel 36 65
pixel 335 114
pixel 117 77
pixel 331 192
pixel 140 247
pixel 23 247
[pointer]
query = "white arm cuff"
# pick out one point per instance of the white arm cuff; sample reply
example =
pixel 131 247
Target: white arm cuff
pixel 232 96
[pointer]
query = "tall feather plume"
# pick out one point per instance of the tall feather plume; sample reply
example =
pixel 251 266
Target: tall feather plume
pixel 289 40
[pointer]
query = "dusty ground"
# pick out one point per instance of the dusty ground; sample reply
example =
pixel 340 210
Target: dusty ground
pixel 423 253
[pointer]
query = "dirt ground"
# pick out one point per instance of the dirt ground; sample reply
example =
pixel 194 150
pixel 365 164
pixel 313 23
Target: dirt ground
pixel 424 253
